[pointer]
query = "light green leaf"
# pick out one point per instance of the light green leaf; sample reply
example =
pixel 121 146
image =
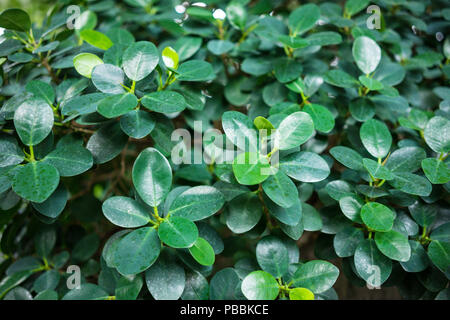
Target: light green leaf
pixel 260 285
pixel 294 130
pixel 84 63
pixel 202 252
pixel 367 54
pixel 393 245
pixel 377 216
pixel 140 59
pixel 178 232
pixel 125 212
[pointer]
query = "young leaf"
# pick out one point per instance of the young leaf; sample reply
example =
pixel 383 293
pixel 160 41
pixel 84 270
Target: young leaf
pixel 202 252
pixel 376 138
pixel 84 63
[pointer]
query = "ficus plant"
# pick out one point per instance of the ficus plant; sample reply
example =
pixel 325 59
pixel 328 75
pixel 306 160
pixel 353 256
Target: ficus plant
pixel 157 149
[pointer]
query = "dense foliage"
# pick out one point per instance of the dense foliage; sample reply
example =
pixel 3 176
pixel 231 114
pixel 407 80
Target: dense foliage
pixel 344 132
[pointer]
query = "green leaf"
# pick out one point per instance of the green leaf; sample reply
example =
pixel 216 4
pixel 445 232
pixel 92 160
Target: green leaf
pixel 293 42
pixel 377 170
pixel 317 276
pixel 439 253
pixel 281 190
pixel 239 130
pixel 376 138
pixel 300 294
pixel 244 213
pixel 225 285
pixel 236 15
pixel 10 153
pixel 351 207
pixel 170 57
pixel 294 130
pixel 152 176
pixel 393 245
pixel 140 59
pixel 290 216
pixel 441 233
pixel 178 232
pixel 303 18
pixel 340 79
pixel 70 160
pixel 406 159
pixel 96 39
pixel 84 63
pixel 202 252
pixel 372 84
pixel 322 117
pixel 55 204
pixel 35 181
pixel 437 171
pixel 42 90
pixel 367 54
pixel 125 212
pixel 353 7
pixel 325 38
pixel 377 216
pixel 423 214
pixel 197 203
pixel 251 168
pixel 411 183
pixel 347 240
pixel 165 279
pixel 164 101
pixel 272 256
pixel 262 123
pixel 117 105
pixel 305 166
pixel 418 260
pixel 137 251
pixel 186 47
pixel 108 78
pixel 15 19
pixel 219 47
pixel 371 264
pixel 46 281
pixel 287 70
pixel 437 134
pixel 260 285
pixel 195 70
pixel 33 120
pixel 348 157
pixel 107 143
pixel 86 291
pixel 128 288
pixel 196 287
pixel 137 123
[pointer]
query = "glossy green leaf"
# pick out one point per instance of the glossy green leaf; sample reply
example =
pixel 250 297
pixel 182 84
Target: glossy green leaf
pixel 33 120
pixel 321 116
pixel 371 265
pixel 117 105
pixel 244 212
pixel 376 138
pixel 152 176
pixel 125 212
pixel 195 70
pixel 251 168
pixel 35 181
pixel 15 19
pixel 202 252
pixel 272 256
pixel 260 285
pixel 294 130
pixel 197 203
pixel 164 101
pixel 178 232
pixel 96 39
pixel 377 216
pixel 317 276
pixel 140 59
pixel 436 171
pixel 303 18
pixel 394 245
pixel 367 54
pixel 305 166
pixel 137 251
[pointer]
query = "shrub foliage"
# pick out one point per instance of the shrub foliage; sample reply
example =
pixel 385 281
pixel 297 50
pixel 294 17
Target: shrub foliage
pixel 111 172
